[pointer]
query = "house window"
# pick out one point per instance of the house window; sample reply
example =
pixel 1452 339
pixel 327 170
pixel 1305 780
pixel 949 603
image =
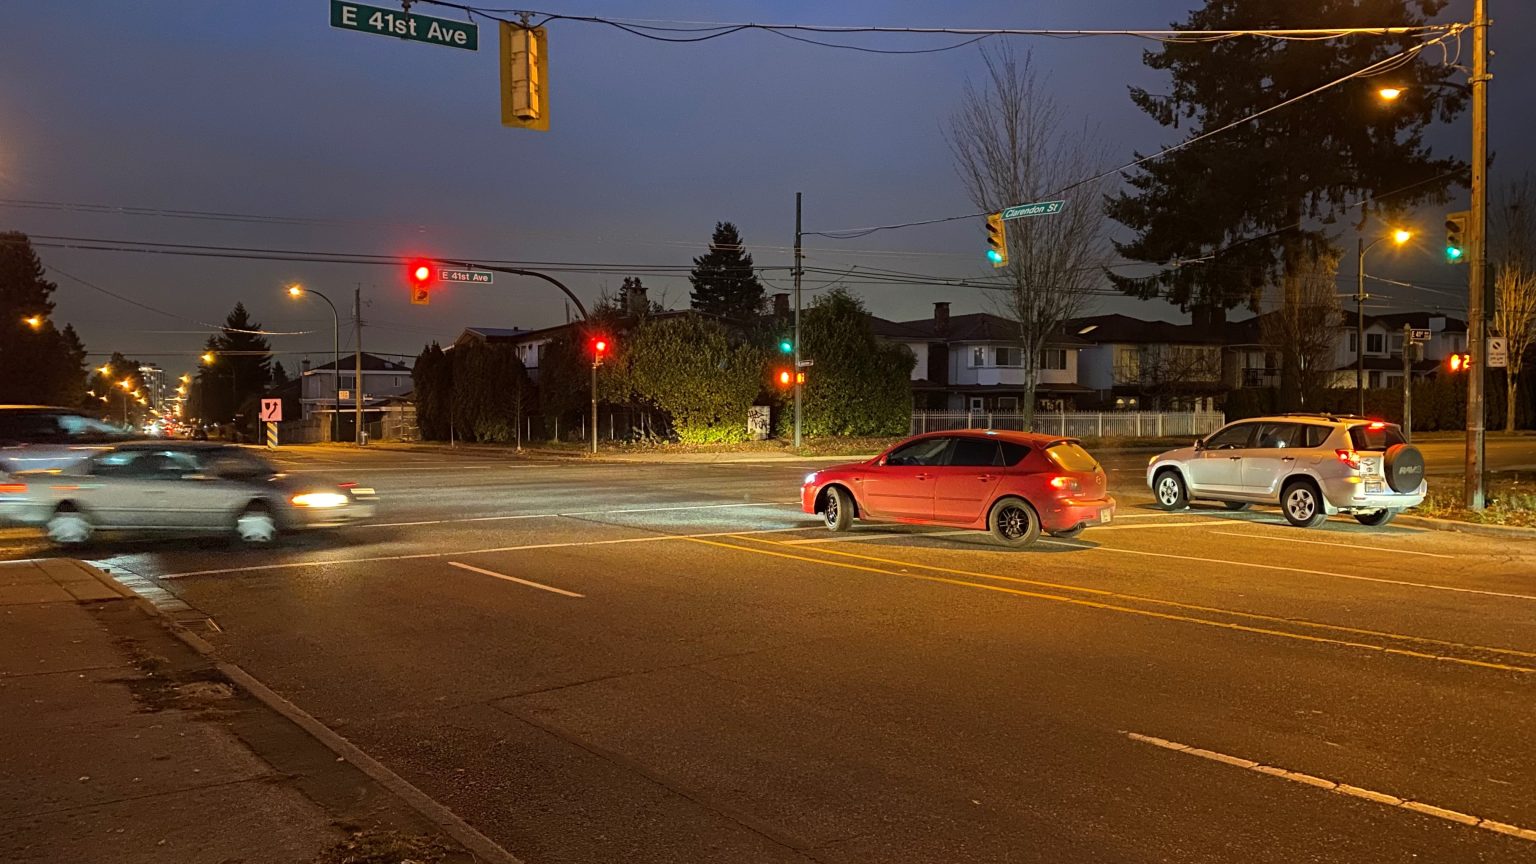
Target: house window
pixel 1053 358
pixel 976 401
pixel 1009 357
pixel 1354 341
pixel 1127 363
pixel 1007 403
pixel 1397 343
pixel 1375 343
pixel 978 357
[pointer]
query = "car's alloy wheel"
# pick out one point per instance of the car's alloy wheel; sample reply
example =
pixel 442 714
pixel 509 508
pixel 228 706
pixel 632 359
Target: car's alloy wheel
pixel 1170 492
pixel 1013 523
pixel 837 510
pixel 69 528
pixel 1302 507
pixel 256 526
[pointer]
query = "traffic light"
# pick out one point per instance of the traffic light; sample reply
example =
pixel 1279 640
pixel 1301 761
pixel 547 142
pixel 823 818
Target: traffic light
pixel 997 240
pixel 1455 236
pixel 524 77
pixel 419 274
pixel 799 377
pixel 1459 362
pixel 786 377
pixel 786 345
pixel 600 347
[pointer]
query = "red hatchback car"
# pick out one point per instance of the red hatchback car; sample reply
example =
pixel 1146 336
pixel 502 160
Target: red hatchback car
pixel 1013 484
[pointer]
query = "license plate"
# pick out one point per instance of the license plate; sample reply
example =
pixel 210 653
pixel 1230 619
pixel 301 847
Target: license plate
pixel 1105 516
pixel 1373 488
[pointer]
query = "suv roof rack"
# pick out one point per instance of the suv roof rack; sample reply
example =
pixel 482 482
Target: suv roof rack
pixel 1324 415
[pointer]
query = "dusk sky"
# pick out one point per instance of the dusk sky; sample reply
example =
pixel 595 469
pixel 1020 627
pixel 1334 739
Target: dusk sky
pixel 391 147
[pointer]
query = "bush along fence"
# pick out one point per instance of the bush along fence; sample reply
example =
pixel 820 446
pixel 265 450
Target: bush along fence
pixel 1103 424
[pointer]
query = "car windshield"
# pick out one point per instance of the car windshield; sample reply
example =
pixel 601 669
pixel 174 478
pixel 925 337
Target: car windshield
pixel 1375 436
pixel 1070 456
pixel 235 464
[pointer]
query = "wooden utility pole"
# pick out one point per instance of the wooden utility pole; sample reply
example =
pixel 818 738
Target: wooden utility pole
pixel 1477 273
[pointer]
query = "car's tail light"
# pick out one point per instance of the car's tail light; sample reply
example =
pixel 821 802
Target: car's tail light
pixel 1349 457
pixel 1378 425
pixel 1066 484
pixel 12 488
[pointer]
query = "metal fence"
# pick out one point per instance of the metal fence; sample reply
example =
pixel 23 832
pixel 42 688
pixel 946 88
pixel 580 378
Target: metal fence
pixel 1105 424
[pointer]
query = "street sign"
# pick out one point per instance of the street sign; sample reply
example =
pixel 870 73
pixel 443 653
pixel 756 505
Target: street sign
pixel 271 410
pixel 1498 352
pixel 413 27
pixel 475 277
pixel 804 363
pixel 420 296
pixel 1418 335
pixel 1039 208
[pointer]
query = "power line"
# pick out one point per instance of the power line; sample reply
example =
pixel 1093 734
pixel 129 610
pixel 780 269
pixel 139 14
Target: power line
pixel 129 300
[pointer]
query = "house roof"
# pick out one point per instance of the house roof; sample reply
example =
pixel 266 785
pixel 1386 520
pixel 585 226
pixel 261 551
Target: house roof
pixel 371 363
pixel 970 327
pixel 1124 328
pixel 1417 320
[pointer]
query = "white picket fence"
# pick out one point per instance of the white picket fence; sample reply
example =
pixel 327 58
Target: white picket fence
pixel 1103 424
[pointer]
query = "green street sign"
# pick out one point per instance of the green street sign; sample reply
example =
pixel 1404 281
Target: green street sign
pixel 393 22
pixel 474 277
pixel 1039 208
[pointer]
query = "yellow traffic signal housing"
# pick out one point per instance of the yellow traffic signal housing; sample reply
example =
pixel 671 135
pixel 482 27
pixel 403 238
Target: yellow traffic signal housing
pixel 997 240
pixel 1455 236
pixel 524 77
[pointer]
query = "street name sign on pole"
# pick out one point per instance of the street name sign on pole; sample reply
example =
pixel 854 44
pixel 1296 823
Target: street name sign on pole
pixel 1418 335
pixel 804 363
pixel 1039 208
pixel 409 26
pixel 474 277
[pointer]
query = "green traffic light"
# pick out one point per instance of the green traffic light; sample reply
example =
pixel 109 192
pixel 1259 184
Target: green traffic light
pixel 993 256
pixel 1452 253
pixel 786 346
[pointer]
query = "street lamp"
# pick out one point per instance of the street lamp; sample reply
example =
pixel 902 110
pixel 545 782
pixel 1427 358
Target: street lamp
pixel 34 321
pixel 1398 236
pixel 296 291
pixel 1390 93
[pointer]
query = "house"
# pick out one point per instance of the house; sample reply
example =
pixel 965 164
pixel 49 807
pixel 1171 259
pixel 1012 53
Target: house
pixel 973 362
pixel 386 383
pixel 1133 364
pixel 1384 347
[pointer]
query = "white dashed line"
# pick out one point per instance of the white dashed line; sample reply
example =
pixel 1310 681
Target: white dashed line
pixel 1340 788
pixel 1326 543
pixel 493 573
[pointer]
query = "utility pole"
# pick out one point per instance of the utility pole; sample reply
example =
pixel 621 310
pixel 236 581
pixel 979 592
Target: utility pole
pixel 1477 273
pixel 798 414
pixel 1360 327
pixel 1410 349
pixel 357 383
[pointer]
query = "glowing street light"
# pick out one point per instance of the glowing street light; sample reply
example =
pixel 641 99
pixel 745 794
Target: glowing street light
pixel 34 321
pixel 1401 236
pixel 1389 93
pixel 208 358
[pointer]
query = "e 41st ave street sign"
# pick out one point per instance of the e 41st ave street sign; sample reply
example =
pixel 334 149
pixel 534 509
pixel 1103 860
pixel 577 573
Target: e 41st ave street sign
pixel 393 22
pixel 1039 208
pixel 475 277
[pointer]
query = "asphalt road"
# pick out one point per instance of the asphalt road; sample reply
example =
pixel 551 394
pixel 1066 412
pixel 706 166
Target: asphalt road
pixel 665 663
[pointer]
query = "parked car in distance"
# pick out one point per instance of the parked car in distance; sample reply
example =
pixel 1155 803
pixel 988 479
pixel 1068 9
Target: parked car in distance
pixel 43 438
pixel 178 487
pixel 1011 484
pixel 1312 465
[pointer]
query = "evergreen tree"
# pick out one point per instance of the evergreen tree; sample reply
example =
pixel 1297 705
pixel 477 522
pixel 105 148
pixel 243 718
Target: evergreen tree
pixel 1254 202
pixel 863 385
pixel 723 279
pixel 241 367
pixel 279 374
pixel 432 377
pixel 38 364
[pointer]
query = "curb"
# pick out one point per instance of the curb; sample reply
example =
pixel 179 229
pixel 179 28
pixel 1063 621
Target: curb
pixel 481 847
pixel 1507 532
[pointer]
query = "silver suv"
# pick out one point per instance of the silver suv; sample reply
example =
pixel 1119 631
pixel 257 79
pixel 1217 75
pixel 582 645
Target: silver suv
pixel 1312 465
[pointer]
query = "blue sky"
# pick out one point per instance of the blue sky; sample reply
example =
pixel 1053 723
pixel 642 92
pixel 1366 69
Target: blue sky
pixel 264 108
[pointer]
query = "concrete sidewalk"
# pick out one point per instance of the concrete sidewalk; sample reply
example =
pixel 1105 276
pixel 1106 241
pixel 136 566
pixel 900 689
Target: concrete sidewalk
pixel 122 744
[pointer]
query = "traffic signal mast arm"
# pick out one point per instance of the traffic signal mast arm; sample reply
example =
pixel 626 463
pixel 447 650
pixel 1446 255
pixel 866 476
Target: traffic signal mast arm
pixel 519 272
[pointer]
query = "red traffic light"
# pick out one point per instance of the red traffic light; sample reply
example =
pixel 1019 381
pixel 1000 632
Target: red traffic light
pixel 786 378
pixel 420 273
pixel 600 347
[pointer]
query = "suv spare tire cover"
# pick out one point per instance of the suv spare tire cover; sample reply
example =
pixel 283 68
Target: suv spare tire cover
pixel 1404 467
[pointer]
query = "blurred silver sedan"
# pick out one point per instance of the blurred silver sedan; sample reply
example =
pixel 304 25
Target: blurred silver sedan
pixel 178 487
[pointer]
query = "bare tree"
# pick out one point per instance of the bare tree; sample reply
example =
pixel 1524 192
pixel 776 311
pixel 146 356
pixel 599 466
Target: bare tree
pixel 1513 235
pixel 1011 147
pixel 1308 320
pixel 1167 372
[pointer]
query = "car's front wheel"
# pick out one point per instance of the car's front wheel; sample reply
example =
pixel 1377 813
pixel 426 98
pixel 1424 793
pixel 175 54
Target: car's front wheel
pixel 1302 504
pixel 1377 519
pixel 1171 494
pixel 837 511
pixel 69 527
pixel 1013 522
pixel 256 526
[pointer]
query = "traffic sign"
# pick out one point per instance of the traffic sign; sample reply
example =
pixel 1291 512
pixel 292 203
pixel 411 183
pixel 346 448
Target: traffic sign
pixel 1418 335
pixel 271 410
pixel 476 277
pixel 1498 352
pixel 805 363
pixel 1039 208
pixel 413 27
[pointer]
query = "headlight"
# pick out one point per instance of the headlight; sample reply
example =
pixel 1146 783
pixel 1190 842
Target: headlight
pixel 320 499
pixel 809 478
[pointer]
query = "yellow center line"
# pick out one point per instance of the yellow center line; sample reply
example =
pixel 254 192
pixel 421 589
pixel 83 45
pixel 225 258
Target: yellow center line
pixel 1092 604
pixel 1194 607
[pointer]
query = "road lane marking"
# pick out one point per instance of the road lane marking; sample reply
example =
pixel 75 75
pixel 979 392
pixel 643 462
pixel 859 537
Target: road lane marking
pixel 293 565
pixel 558 515
pixel 1339 788
pixel 1139 598
pixel 493 573
pixel 975 532
pixel 1403 582
pixel 1110 607
pixel 1326 543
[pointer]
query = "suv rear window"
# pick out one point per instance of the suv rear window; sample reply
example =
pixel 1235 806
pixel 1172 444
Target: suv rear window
pixel 1375 437
pixel 1069 456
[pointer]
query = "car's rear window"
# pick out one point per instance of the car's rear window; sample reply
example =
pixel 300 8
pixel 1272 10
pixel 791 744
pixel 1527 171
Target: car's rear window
pixel 1071 457
pixel 1375 436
